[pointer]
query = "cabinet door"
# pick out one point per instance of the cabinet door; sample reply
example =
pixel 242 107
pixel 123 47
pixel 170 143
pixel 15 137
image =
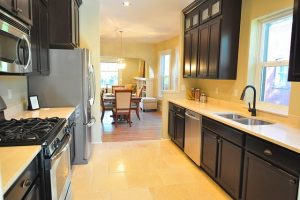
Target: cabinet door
pixel 187 55
pixel 214 48
pixel 24 10
pixel 179 130
pixel 76 25
pixel 215 8
pixel 209 152
pixel 7 4
pixel 34 36
pixel 294 66
pixel 171 124
pixel 194 52
pixel 205 12
pixel 203 51
pixel 230 167
pixel 263 181
pixel 43 39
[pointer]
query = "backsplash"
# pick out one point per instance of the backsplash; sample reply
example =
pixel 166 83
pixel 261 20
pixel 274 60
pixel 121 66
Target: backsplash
pixel 13 90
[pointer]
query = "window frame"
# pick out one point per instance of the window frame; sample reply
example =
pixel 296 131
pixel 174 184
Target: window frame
pixel 260 63
pixel 116 71
pixel 161 69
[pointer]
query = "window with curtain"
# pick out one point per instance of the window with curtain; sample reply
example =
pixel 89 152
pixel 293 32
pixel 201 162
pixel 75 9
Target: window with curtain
pixel 109 74
pixel 273 60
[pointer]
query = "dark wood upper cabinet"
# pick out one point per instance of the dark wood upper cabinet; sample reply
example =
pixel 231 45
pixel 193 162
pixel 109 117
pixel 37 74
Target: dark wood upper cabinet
pixel 294 66
pixel 64 24
pixel 218 43
pixel 187 55
pixel 40 39
pixel 21 9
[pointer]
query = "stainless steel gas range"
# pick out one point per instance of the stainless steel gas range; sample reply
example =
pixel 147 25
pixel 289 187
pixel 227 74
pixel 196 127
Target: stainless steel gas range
pixel 53 134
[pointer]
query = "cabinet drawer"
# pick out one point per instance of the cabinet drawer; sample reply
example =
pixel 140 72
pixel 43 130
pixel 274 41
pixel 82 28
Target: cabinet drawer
pixel 178 109
pixel 25 181
pixel 226 132
pixel 275 154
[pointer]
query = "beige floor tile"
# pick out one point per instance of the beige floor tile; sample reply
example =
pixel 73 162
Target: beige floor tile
pixel 142 170
pixel 131 194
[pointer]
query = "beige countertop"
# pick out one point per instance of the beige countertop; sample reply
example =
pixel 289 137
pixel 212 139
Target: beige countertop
pixel 46 112
pixel 277 133
pixel 13 161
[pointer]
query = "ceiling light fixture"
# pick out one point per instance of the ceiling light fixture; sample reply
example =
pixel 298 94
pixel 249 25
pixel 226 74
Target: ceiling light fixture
pixel 120 61
pixel 126 3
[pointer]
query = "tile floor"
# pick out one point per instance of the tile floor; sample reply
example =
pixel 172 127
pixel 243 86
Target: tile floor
pixel 142 170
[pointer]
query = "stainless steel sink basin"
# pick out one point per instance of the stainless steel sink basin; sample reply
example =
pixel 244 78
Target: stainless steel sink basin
pixel 232 116
pixel 248 121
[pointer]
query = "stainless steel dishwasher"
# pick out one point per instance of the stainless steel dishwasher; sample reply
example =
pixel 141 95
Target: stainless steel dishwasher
pixel 192 142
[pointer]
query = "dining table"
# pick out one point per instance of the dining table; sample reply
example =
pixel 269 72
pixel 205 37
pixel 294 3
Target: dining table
pixel 110 98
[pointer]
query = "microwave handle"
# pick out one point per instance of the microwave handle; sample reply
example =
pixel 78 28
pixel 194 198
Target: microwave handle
pixel 29 52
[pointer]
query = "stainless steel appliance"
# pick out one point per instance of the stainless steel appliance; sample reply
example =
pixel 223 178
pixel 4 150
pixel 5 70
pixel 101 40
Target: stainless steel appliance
pixel 53 135
pixel 15 47
pixel 192 140
pixel 71 83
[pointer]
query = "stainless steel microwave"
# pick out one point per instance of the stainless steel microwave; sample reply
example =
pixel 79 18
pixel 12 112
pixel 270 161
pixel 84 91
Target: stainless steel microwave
pixel 15 47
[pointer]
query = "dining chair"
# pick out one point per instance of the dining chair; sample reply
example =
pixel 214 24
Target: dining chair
pixel 135 106
pixel 105 106
pixel 122 106
pixel 117 87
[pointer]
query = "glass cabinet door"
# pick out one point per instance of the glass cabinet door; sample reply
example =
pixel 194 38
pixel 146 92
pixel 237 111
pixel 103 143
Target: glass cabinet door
pixel 216 8
pixel 187 23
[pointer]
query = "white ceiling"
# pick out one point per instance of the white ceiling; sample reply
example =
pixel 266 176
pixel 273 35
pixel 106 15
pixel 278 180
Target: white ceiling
pixel 149 21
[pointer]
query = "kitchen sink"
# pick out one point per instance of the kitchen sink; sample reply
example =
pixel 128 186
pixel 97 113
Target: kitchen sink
pixel 232 116
pixel 248 121
pixel 244 120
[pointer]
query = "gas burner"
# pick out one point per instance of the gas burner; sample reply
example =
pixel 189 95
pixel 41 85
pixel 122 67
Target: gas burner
pixel 31 130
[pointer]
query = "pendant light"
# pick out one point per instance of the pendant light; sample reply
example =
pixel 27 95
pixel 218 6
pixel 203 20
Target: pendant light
pixel 120 62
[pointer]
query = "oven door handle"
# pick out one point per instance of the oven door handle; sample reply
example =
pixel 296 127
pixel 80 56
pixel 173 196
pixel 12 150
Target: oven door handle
pixel 63 148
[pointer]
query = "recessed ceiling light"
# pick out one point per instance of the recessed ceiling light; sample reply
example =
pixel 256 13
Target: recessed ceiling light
pixel 126 3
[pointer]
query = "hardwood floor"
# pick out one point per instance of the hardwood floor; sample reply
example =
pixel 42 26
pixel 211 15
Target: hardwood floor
pixel 148 128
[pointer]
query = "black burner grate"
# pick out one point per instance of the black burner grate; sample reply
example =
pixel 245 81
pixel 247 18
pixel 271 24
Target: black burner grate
pixel 33 130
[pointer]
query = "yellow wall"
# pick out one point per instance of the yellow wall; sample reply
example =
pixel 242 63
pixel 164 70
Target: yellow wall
pixel 131 70
pixel 231 90
pixel 90 38
pixel 110 48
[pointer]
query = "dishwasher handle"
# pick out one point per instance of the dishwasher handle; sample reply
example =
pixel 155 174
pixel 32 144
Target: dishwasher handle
pixel 193 117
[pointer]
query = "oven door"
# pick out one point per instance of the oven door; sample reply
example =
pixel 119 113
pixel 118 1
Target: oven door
pixel 60 172
pixel 15 49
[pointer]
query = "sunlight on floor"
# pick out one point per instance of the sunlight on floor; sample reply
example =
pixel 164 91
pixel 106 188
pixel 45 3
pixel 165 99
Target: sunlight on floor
pixel 142 170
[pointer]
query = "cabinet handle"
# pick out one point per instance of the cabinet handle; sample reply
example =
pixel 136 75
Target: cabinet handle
pixel 268 152
pixel 19 10
pixel 292 181
pixel 26 183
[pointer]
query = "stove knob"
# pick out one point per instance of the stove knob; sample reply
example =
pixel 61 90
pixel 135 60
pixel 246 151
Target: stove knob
pixel 67 130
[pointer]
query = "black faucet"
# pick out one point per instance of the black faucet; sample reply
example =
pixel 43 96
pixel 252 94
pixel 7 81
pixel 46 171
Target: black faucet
pixel 252 110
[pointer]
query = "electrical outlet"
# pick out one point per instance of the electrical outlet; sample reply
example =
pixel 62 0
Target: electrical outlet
pixel 9 94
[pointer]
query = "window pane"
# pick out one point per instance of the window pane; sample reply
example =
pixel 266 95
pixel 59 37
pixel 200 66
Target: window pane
pixel 278 39
pixel 109 67
pixel 274 85
pixel 165 71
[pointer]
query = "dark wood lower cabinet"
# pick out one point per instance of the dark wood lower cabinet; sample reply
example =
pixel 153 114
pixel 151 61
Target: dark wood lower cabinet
pixel 230 167
pixel 171 124
pixel 263 180
pixel 179 130
pixel 209 152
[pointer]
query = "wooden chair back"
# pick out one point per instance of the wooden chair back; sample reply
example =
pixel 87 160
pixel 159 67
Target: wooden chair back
pixel 117 87
pixel 123 100
pixel 139 92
